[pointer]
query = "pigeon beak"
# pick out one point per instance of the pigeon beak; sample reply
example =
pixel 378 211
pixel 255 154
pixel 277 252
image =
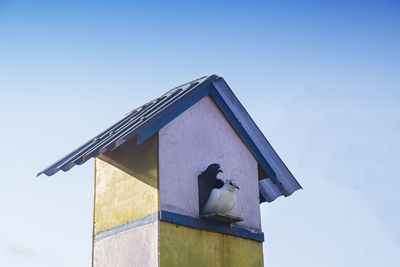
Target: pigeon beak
pixel 237 187
pixel 219 170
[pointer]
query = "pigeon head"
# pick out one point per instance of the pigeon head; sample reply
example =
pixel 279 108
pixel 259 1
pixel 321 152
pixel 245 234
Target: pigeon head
pixel 214 169
pixel 231 184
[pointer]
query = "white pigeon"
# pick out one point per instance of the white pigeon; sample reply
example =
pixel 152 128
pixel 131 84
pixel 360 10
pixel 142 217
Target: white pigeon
pixel 221 200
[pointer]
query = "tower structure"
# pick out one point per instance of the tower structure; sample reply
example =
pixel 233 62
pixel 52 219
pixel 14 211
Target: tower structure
pixel 146 209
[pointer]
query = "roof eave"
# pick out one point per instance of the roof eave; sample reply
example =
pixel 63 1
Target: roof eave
pixel 283 182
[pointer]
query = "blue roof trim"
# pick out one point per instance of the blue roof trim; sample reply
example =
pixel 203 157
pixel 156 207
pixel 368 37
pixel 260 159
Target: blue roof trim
pixel 172 217
pixel 283 182
pixel 151 117
pixel 180 108
pixel 242 132
pixel 268 190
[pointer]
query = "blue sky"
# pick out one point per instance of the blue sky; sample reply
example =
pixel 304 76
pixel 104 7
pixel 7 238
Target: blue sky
pixel 320 79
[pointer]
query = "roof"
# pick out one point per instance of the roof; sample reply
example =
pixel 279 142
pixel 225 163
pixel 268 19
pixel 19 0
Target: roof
pixel 152 116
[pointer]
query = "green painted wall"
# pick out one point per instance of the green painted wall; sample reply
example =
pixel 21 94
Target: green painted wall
pixel 184 246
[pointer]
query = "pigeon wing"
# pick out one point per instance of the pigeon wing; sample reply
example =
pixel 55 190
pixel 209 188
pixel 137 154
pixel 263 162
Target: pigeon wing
pixel 206 183
pixel 218 183
pixel 212 201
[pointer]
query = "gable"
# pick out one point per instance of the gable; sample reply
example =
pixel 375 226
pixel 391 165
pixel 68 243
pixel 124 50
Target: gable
pixel 196 138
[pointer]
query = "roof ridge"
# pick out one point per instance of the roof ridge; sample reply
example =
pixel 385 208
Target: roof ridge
pixel 167 93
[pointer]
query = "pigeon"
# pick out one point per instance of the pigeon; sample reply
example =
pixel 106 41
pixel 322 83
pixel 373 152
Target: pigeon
pixel 222 199
pixel 208 180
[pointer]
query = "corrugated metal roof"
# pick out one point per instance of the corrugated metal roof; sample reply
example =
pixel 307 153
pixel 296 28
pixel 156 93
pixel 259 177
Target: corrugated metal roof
pixel 123 130
pixel 152 116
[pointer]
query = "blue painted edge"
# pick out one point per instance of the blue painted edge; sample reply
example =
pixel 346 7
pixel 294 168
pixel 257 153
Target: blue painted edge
pixel 243 133
pixel 184 220
pixel 201 224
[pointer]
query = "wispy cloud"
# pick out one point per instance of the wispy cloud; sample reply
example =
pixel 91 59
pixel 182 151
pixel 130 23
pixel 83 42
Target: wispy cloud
pixel 20 250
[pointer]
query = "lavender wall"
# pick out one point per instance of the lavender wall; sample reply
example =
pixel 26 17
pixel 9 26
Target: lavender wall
pixel 187 145
pixel 134 247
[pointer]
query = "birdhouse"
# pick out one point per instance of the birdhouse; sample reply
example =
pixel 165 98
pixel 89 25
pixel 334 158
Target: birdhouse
pixel 179 181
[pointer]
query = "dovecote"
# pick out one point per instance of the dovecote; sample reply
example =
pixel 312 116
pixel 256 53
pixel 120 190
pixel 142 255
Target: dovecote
pixel 146 204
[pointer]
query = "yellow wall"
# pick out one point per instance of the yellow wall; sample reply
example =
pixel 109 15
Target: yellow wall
pixel 120 197
pixel 126 189
pixel 184 246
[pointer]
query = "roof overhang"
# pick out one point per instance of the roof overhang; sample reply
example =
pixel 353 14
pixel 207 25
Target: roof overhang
pixel 148 119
